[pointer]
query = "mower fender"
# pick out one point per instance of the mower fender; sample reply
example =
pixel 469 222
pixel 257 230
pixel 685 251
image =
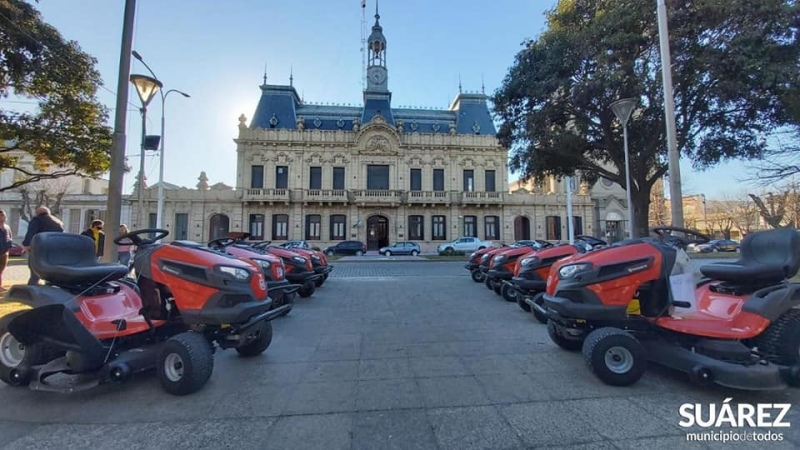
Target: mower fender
pixel 587 311
pixel 773 301
pixel 282 286
pixel 38 296
pixel 499 275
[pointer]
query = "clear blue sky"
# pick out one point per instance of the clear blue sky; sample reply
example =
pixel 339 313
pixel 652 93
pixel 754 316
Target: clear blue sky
pixel 216 51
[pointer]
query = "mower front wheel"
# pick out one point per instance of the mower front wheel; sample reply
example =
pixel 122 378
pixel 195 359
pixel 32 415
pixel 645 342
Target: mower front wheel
pixel 477 276
pixel 319 282
pixel 185 363
pixel 488 283
pixel 509 293
pixel 308 289
pixel 615 356
pixel 556 333
pixel 522 303
pixel 260 343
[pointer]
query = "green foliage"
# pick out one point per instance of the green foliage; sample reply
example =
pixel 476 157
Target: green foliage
pixel 67 134
pixel 735 77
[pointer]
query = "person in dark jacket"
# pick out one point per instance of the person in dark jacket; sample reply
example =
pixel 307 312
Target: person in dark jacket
pixel 97 235
pixel 42 222
pixel 5 246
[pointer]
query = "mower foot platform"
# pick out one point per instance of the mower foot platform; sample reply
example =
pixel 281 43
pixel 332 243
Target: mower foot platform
pixel 704 369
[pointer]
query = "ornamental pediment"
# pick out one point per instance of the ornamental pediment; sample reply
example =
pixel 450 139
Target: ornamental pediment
pixel 379 145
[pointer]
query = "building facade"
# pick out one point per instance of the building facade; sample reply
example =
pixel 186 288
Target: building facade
pixel 375 173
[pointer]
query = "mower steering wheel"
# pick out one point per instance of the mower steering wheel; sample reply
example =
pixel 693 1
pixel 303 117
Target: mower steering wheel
pixel 665 235
pixel 134 239
pixel 262 244
pixel 221 242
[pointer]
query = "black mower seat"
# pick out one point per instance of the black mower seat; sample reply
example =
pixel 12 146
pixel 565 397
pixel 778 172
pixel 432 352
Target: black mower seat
pixel 66 259
pixel 766 257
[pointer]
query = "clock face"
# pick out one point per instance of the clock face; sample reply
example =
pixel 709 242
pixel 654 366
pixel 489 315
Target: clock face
pixel 378 76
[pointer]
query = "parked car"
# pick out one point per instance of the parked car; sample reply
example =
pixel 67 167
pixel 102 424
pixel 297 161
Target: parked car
pixel 719 245
pixel 464 244
pixel 16 250
pixel 401 248
pixel 357 248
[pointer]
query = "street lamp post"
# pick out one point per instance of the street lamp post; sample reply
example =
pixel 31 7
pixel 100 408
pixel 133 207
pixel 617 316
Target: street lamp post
pixel 146 87
pixel 623 109
pixel 705 214
pixel 164 95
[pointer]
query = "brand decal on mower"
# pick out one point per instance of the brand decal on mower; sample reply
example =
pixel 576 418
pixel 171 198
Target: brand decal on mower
pixel 761 415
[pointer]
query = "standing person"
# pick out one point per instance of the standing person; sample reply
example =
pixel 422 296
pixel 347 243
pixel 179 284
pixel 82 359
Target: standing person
pixel 96 233
pixel 5 246
pixel 41 222
pixel 124 250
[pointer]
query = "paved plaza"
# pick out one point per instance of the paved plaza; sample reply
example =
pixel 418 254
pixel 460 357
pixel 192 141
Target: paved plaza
pixel 386 355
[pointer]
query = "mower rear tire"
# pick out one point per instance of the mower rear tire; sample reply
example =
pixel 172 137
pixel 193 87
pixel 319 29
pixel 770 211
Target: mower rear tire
pixel 308 289
pixel 496 288
pixel 258 345
pixel 781 340
pixel 557 336
pixel 615 356
pixel 185 363
pixel 488 283
pixel 13 354
pixel 477 276
pixel 509 293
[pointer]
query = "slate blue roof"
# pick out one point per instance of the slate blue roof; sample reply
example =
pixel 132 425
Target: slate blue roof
pixel 280 107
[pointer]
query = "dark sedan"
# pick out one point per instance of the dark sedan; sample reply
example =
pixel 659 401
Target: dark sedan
pixel 347 248
pixel 16 250
pixel 719 245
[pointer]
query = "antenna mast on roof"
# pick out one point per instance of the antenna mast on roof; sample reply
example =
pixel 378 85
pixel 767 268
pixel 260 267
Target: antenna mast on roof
pixel 363 43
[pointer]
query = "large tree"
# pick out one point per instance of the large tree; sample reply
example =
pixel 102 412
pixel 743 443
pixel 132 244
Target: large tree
pixel 734 73
pixel 65 133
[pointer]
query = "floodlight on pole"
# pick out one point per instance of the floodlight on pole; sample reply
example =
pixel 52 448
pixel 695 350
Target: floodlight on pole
pixel 146 87
pixel 623 109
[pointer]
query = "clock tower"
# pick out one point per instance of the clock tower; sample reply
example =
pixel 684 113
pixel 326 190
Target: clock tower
pixel 377 75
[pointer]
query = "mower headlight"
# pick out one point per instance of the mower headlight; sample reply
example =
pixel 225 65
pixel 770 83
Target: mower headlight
pixel 485 257
pixel 316 258
pixel 573 269
pixel 299 259
pixel 263 263
pixel 499 259
pixel 237 273
pixel 527 262
pixel 472 255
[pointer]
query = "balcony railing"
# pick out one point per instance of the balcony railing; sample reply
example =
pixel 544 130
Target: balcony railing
pixel 481 197
pixel 428 197
pixel 325 195
pixel 267 195
pixel 378 196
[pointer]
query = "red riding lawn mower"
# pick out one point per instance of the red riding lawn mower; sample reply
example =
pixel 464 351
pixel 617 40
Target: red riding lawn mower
pixel 90 321
pixel 630 303
pixel 486 258
pixel 474 264
pixel 280 290
pixel 501 266
pixel 319 262
pixel 299 269
pixel 531 271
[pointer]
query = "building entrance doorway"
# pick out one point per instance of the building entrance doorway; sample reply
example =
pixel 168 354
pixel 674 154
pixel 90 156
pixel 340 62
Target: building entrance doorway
pixel 522 228
pixel 377 232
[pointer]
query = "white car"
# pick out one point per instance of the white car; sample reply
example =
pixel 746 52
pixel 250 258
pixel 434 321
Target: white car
pixel 464 244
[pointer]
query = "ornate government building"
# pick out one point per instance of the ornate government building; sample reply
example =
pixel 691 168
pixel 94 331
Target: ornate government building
pixel 378 174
